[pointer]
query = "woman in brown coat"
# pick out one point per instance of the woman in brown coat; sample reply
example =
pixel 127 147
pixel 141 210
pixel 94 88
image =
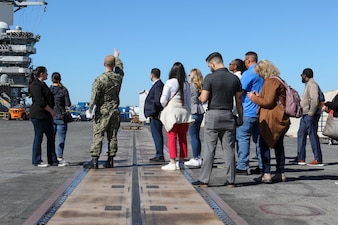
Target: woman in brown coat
pixel 273 122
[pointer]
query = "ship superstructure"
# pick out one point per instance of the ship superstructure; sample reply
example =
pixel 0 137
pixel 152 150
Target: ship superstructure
pixel 16 46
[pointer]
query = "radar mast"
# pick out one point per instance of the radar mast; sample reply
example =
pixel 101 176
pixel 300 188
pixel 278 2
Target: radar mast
pixel 16 46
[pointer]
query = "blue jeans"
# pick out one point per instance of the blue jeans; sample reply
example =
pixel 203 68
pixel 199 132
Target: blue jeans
pixel 157 134
pixel 309 126
pixel 194 132
pixel 243 135
pixel 266 156
pixel 43 127
pixel 60 129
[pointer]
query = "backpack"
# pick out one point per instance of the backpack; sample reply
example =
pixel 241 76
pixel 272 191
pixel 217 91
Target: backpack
pixel 292 101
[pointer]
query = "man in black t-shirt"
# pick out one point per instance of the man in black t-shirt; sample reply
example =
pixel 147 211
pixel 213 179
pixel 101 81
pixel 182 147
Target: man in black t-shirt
pixel 219 89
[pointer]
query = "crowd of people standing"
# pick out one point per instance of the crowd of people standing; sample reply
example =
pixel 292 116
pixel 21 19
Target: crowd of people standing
pixel 245 102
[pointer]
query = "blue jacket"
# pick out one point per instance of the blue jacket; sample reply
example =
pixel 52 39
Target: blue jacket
pixel 152 105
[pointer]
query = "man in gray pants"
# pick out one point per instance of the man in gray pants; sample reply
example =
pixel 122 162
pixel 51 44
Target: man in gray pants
pixel 219 89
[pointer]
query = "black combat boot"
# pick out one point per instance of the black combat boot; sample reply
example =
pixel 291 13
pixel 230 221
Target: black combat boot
pixel 110 162
pixel 93 164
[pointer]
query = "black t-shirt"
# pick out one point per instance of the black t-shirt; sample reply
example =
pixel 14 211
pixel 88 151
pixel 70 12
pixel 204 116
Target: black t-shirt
pixel 222 87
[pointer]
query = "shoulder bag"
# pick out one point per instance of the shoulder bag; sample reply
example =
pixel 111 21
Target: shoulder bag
pixel 331 126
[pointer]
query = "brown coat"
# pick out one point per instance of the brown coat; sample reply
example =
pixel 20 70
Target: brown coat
pixel 273 122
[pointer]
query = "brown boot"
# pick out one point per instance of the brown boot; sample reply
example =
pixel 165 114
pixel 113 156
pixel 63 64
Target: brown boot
pixel 279 177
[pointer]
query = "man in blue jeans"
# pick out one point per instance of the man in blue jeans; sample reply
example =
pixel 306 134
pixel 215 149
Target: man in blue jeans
pixel 250 82
pixel 152 109
pixel 309 122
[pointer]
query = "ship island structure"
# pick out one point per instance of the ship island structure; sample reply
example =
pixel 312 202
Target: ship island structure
pixel 16 46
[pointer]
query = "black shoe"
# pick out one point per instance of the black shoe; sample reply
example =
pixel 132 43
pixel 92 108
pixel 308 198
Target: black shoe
pixel 93 164
pixel 257 170
pixel 242 172
pixel 258 179
pixel 199 183
pixel 157 159
pixel 110 162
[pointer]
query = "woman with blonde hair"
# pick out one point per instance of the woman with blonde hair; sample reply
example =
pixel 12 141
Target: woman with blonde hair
pixel 197 111
pixel 272 119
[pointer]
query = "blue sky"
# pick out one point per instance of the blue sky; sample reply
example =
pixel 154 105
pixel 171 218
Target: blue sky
pixel 77 35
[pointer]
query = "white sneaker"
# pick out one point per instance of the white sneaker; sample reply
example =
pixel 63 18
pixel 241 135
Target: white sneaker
pixel 336 182
pixel 194 162
pixel 179 165
pixel 63 163
pixel 170 166
pixel 42 164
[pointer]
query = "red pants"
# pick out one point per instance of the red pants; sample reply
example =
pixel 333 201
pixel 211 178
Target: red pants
pixel 180 131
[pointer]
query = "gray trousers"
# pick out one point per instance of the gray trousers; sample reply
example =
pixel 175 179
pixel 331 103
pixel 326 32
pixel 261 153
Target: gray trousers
pixel 219 124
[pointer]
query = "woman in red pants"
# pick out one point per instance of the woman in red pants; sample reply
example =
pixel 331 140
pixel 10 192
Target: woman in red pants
pixel 176 115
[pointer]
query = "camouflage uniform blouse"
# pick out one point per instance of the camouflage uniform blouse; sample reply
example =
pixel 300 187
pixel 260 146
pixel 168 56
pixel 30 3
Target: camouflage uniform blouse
pixel 106 90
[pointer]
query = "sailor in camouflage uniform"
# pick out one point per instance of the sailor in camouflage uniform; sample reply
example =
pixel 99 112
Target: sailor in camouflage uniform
pixel 105 98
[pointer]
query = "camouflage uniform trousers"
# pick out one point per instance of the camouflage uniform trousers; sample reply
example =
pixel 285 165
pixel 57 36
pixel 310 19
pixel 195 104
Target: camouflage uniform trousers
pixel 102 125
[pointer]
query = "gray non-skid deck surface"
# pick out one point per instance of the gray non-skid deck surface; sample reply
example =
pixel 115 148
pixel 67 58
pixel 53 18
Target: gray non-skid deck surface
pixel 308 197
pixel 106 196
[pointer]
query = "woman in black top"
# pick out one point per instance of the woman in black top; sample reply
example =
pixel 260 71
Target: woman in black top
pixel 41 115
pixel 61 101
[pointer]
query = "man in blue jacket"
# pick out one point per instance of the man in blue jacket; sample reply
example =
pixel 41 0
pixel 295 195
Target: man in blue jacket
pixel 152 109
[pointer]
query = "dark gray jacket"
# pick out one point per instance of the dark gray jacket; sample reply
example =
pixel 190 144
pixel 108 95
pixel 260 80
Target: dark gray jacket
pixel 61 100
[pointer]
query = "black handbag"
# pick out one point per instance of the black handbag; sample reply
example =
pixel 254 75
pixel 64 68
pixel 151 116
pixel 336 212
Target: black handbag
pixel 67 117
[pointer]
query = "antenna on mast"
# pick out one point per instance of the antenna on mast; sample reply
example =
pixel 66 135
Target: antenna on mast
pixel 7 8
pixel 16 46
